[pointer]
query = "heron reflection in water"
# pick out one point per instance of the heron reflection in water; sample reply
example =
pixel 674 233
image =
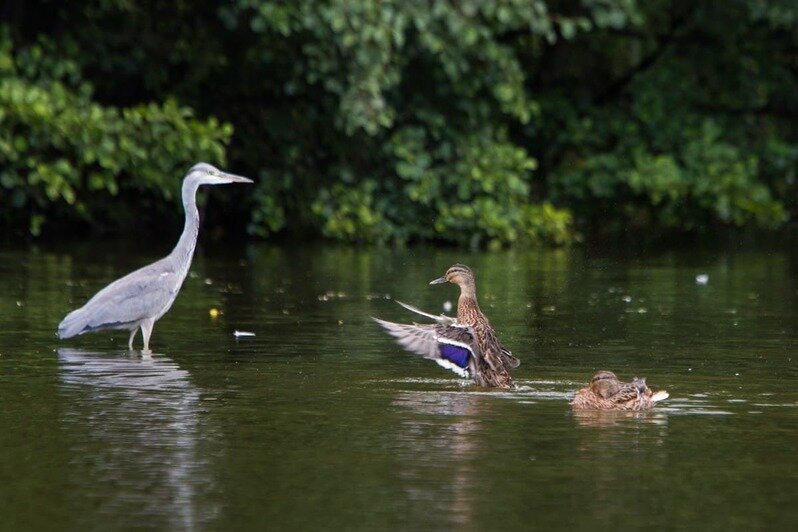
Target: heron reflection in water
pixel 142 297
pixel 142 437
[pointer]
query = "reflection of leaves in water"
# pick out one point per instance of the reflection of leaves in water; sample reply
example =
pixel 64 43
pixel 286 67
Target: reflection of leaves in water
pixel 145 433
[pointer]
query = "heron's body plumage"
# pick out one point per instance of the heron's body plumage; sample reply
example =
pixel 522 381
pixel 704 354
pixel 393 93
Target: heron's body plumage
pixel 146 293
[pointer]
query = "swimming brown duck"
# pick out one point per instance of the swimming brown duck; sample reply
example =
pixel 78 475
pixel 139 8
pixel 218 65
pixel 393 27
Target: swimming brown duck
pixel 606 392
pixel 467 345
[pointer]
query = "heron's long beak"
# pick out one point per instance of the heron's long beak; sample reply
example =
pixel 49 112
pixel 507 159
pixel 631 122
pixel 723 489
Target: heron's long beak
pixel 439 280
pixel 232 178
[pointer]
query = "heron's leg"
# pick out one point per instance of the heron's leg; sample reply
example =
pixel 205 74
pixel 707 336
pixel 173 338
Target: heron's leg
pixel 146 330
pixel 132 335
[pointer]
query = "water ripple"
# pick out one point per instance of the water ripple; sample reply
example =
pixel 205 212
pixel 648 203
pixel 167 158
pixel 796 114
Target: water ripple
pixel 146 411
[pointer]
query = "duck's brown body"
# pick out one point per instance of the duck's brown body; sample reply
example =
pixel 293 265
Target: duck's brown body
pixel 606 392
pixel 491 370
pixel 491 366
pixel 467 345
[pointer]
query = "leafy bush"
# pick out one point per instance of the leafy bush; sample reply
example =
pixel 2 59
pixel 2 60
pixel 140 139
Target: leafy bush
pixel 65 157
pixel 479 122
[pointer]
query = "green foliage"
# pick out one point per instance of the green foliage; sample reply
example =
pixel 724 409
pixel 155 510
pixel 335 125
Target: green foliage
pixel 422 95
pixel 707 179
pixel 473 189
pixel 478 122
pixel 64 155
pixel 347 212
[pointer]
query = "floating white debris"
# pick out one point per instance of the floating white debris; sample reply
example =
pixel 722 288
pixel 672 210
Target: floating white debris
pixel 330 294
pixel 239 334
pixel 447 306
pixel 627 299
pixel 701 278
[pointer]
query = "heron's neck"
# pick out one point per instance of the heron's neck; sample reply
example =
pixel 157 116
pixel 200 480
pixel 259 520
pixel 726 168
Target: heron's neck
pixel 184 250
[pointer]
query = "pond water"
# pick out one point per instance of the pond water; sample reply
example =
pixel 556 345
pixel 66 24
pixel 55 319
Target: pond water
pixel 320 421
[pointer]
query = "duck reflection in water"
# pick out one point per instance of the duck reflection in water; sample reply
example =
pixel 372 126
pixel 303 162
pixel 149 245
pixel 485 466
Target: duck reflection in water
pixel 613 418
pixel 142 437
pixel 438 455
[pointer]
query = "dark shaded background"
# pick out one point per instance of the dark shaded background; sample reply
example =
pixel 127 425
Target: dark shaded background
pixel 487 123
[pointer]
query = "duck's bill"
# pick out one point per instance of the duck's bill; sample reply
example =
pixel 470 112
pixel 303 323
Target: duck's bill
pixel 660 396
pixel 439 280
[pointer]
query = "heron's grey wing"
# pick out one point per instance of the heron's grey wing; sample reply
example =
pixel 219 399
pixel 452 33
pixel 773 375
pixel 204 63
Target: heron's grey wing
pixel 137 297
pixel 507 357
pixel 442 319
pixel 451 346
pixel 142 294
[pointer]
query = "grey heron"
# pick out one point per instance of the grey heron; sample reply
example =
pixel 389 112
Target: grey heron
pixel 140 298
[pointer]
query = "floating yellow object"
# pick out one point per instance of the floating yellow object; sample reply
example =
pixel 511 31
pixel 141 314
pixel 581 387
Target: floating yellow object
pixel 214 312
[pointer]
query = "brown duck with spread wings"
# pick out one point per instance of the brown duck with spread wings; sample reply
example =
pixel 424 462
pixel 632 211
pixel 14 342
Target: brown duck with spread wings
pixel 467 345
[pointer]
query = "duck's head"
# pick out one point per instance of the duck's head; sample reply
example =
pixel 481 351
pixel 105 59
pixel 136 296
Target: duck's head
pixel 458 274
pixel 605 384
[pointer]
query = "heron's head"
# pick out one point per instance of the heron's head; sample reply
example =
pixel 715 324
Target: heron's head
pixel 459 274
pixel 205 174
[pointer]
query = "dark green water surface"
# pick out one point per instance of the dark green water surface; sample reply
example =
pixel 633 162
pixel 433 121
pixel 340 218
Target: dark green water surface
pixel 321 422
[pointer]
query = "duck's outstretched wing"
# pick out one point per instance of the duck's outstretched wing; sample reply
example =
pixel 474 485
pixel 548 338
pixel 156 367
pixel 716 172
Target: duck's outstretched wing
pixel 451 346
pixel 441 318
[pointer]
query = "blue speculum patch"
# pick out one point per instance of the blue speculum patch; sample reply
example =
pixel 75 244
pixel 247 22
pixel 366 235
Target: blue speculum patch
pixel 455 354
